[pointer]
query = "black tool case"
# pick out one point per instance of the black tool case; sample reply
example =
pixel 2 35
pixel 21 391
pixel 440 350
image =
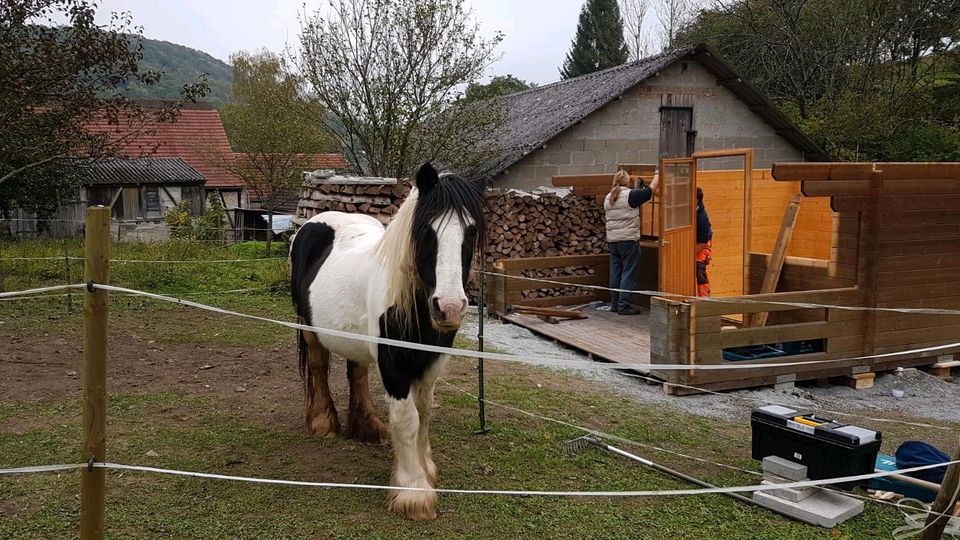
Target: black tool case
pixel 828 449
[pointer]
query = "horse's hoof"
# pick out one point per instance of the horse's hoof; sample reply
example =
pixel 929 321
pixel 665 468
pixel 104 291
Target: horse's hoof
pixel 324 425
pixel 416 505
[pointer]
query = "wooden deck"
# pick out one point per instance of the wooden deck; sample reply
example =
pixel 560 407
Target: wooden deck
pixel 605 336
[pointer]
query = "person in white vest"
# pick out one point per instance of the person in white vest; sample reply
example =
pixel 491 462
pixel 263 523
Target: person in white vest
pixel 622 211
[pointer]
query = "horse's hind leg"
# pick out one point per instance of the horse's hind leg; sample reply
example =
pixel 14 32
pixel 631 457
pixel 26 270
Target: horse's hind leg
pixel 321 415
pixel 363 423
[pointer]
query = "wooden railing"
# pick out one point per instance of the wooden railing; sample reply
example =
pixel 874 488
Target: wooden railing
pixel 506 291
pixel 698 331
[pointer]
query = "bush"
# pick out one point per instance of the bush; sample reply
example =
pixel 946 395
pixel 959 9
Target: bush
pixel 179 221
pixel 207 226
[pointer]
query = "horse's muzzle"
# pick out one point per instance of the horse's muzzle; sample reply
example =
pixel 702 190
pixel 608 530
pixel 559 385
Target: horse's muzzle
pixel 448 313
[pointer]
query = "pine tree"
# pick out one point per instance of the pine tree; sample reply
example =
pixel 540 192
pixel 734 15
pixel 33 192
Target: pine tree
pixel 599 42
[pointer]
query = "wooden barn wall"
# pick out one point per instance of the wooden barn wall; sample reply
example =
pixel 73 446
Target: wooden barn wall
pixel 723 197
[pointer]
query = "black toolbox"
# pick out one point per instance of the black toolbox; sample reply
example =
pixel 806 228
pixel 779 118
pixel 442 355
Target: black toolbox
pixel 829 449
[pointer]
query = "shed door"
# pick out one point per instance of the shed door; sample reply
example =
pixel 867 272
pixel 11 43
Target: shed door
pixel 678 230
pixel 676 124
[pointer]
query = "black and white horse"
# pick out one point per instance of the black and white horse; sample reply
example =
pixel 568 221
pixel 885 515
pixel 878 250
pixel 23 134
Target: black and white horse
pixel 404 282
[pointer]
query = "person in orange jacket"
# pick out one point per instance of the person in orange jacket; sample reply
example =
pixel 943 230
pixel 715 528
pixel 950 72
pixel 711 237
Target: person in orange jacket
pixel 704 246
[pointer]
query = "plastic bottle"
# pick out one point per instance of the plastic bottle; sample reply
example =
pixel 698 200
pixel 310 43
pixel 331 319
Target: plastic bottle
pixel 899 387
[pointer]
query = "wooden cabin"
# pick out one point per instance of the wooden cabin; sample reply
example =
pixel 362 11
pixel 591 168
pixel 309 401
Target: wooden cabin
pixel 875 235
pixel 892 244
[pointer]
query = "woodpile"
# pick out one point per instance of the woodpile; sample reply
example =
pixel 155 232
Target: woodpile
pixel 547 224
pixel 378 197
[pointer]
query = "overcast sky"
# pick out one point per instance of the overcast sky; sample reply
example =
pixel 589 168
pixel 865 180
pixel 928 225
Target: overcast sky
pixel 537 33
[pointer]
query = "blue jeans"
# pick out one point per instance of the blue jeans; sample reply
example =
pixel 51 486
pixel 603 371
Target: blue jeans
pixel 624 258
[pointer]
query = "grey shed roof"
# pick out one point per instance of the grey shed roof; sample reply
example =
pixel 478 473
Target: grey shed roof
pixel 147 170
pixel 535 116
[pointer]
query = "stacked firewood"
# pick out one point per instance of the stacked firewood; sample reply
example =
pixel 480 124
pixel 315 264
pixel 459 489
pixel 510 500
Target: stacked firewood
pixel 557 290
pixel 542 225
pixel 548 224
pixel 374 196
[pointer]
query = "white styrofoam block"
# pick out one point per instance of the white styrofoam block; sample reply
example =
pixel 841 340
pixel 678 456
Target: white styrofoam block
pixel 785 468
pixel 823 508
pixel 790 494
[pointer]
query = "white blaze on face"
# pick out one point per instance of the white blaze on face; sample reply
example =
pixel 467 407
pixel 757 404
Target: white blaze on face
pixel 449 294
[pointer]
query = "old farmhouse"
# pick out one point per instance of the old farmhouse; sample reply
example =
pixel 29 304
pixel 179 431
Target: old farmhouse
pixel 672 104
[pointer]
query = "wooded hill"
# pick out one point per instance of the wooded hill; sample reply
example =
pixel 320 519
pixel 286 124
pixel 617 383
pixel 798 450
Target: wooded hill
pixel 182 65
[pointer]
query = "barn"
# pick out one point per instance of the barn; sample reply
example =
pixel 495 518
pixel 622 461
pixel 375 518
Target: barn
pixel 672 104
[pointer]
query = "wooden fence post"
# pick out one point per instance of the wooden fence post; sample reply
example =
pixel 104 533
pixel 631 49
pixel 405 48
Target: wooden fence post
pixel 945 502
pixel 96 270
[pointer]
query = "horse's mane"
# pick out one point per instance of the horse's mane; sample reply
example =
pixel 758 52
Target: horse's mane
pixel 398 247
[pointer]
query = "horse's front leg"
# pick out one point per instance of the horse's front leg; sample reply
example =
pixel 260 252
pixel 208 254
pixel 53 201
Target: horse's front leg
pixel 408 463
pixel 423 396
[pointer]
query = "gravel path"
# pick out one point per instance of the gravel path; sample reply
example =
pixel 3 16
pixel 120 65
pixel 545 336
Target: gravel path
pixel 927 397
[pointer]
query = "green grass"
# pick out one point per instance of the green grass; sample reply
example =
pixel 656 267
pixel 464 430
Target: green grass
pixel 203 433
pixel 200 282
pixel 194 434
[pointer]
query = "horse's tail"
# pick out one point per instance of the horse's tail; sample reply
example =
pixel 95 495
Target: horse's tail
pixel 305 373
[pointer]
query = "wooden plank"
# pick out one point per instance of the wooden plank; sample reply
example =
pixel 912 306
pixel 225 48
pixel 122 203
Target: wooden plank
pixel 551 312
pixel 758 302
pixel 832 188
pixel 556 300
pixel 916 171
pixel 729 152
pixel 783 333
pixel 772 275
pixel 822 171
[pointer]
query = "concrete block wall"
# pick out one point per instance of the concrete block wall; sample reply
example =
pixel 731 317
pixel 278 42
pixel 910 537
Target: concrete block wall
pixel 627 130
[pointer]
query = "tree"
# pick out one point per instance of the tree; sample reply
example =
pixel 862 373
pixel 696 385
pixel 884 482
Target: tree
pixel 638 40
pixel 599 42
pixel 866 84
pixel 271 131
pixel 673 15
pixel 54 81
pixel 501 85
pixel 390 72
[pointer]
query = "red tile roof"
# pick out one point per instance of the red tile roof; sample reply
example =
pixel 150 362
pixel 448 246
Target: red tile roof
pixel 197 133
pixel 196 136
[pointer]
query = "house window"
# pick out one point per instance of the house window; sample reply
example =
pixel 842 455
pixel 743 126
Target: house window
pixel 153 200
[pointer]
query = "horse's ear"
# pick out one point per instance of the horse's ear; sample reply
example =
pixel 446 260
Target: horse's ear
pixel 427 178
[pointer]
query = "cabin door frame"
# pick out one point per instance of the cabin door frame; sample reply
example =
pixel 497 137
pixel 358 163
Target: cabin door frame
pixel 677 264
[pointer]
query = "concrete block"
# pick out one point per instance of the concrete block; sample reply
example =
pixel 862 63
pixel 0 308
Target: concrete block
pixel 790 494
pixel 583 158
pixel 605 157
pixel 608 132
pixel 567 144
pixel 594 145
pixel 785 468
pixel 784 386
pixel 823 508
pixel 549 157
